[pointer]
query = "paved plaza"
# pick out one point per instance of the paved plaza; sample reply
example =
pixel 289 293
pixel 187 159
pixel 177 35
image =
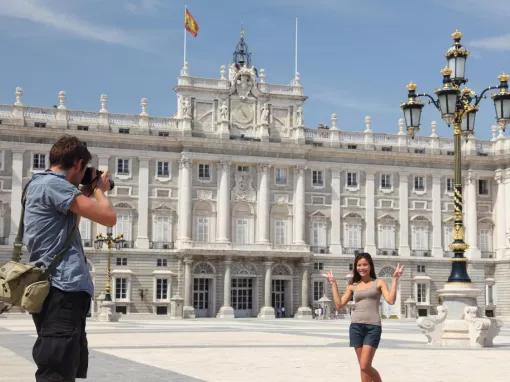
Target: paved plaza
pixel 253 350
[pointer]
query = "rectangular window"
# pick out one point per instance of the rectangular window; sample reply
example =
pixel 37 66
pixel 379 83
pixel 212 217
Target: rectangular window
pixel 352 236
pixel 421 293
pixel 485 240
pixel 352 147
pixel 420 238
pixel 420 268
pixel 40 124
pixel 419 183
pixel 385 181
pixel 387 236
pixel 123 130
pixel 163 169
pixel 82 128
pixel 318 290
pixel 161 289
pixel 490 294
pixel 448 236
pixel 161 229
pixel 85 231
pixel 122 166
pixel 241 231
pixel 280 176
pixel 352 179
pixel 449 184
pixel 319 234
pixel 203 172
pixel 243 169
pixel 483 187
pixel 203 229
pixel 123 226
pixel 279 232
pixel 121 261
pixel 386 148
pixel 163 134
pixel 161 263
pixel 318 266
pixel 120 288
pixel 317 178
pixel 39 162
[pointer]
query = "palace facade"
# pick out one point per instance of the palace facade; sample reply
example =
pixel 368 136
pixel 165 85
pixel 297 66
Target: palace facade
pixel 234 208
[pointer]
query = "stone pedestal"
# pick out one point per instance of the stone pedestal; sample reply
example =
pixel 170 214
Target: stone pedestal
pixel 176 307
pixel 458 323
pixel 266 313
pixel 188 312
pixel 304 313
pixel 226 312
pixel 223 130
pixel 410 305
pixel 107 312
pixel 264 132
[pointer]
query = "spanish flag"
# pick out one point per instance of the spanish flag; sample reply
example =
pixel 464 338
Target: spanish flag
pixel 190 23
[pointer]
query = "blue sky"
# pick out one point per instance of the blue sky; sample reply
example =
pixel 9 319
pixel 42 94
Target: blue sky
pixel 355 57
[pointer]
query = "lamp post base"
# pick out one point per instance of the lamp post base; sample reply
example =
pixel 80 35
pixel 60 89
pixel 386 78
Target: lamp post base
pixel 266 313
pixel 107 312
pixel 303 313
pixel 458 323
pixel 226 312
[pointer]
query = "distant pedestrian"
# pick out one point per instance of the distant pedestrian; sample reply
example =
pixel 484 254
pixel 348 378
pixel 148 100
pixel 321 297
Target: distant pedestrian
pixel 365 329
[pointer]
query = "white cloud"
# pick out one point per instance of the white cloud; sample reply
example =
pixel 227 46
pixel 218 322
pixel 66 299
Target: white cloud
pixel 349 101
pixel 144 6
pixel 37 12
pixel 501 43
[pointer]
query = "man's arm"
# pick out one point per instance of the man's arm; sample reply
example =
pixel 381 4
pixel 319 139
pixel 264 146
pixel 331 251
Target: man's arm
pixel 99 210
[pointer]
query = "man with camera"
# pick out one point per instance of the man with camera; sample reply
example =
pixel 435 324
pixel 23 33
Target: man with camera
pixel 54 204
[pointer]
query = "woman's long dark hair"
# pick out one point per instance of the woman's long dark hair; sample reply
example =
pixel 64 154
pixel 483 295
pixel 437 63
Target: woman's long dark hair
pixel 356 277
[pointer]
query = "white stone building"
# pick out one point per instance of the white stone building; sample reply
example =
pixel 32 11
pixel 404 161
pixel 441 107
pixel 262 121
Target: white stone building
pixel 236 207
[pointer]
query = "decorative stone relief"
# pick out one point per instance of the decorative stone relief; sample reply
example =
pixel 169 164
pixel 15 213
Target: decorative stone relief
pixel 432 326
pixel 243 269
pixel 243 189
pixel 204 194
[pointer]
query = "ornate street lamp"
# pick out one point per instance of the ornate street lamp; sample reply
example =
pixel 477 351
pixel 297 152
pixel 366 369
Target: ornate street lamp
pixel 458 107
pixel 111 242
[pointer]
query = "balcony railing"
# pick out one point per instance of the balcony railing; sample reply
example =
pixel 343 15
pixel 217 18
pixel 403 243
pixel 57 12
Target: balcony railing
pixel 352 251
pixel 488 255
pixel 319 249
pixel 162 245
pixel 387 252
pixel 421 252
pixel 87 242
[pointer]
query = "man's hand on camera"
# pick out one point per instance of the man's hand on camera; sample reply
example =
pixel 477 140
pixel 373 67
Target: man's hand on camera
pixel 103 183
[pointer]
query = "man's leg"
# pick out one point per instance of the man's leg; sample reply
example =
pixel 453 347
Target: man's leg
pixel 57 349
pixel 84 351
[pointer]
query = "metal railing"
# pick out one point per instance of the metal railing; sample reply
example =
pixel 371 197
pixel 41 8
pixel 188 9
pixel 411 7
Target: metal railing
pixel 162 245
pixel 319 249
pixel 352 251
pixel 387 252
pixel 421 252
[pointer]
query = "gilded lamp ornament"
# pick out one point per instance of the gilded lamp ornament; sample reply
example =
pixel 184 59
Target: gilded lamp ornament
pixel 458 106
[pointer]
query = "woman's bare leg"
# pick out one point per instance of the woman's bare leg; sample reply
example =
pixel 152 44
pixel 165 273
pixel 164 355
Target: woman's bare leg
pixel 365 363
pixel 365 377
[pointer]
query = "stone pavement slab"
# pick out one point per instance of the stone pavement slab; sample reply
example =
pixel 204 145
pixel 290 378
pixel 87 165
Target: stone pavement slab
pixel 251 350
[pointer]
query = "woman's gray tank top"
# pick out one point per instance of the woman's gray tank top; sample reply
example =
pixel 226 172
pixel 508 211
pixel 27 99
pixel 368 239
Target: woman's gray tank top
pixel 366 305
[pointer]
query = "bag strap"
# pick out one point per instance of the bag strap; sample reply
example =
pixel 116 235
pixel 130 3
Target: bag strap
pixel 18 241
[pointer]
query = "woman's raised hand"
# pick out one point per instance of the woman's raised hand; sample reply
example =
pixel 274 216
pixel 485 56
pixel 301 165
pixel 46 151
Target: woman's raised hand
pixel 398 271
pixel 330 277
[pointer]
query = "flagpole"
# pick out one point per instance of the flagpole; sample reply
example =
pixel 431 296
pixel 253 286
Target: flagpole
pixel 184 62
pixel 296 50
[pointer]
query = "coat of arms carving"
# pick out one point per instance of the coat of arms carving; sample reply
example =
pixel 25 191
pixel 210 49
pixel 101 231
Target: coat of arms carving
pixel 243 189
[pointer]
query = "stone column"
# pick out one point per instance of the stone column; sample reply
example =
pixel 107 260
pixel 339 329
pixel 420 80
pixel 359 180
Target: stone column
pixel 263 205
pixel 304 311
pixel 184 194
pixel 142 239
pixel 437 248
pixel 471 216
pixel 370 246
pixel 226 311
pixel 299 205
pixel 336 213
pixel 403 214
pixel 500 212
pixel 188 310
pixel 267 311
pixel 16 191
pixel 223 210
pixel 507 204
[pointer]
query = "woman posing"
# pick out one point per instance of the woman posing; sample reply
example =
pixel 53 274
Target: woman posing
pixel 365 329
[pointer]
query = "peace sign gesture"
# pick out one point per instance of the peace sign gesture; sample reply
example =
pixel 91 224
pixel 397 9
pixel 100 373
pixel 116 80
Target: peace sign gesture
pixel 330 277
pixel 398 271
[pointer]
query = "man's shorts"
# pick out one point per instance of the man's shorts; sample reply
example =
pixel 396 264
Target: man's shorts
pixel 364 334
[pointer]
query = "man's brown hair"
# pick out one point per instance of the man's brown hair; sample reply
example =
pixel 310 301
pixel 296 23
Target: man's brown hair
pixel 67 150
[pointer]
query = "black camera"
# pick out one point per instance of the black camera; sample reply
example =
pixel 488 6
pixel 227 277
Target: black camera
pixel 92 175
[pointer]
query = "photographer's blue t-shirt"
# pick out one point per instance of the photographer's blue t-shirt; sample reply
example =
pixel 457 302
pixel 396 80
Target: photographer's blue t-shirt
pixel 48 222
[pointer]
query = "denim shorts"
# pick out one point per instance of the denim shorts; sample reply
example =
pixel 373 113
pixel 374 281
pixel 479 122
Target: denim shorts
pixel 364 334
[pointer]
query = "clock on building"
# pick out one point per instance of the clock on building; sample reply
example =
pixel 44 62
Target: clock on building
pixel 243 114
